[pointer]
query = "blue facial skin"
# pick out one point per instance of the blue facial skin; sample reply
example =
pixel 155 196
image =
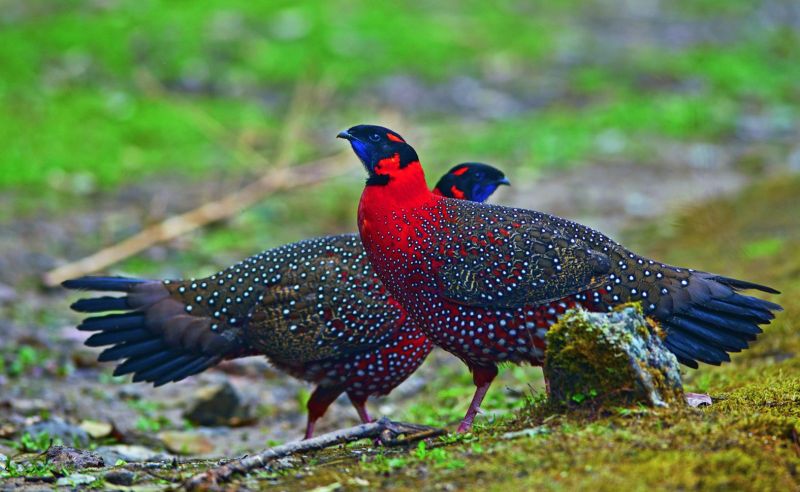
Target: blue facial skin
pixel 481 192
pixel 362 151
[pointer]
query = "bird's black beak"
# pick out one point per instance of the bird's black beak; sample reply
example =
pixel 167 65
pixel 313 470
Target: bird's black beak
pixel 345 135
pixel 504 181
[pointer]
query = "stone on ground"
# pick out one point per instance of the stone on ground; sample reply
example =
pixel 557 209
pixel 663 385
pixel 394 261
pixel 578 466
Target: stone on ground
pixel 186 442
pixel 120 477
pixel 130 453
pixel 607 359
pixel 220 404
pixel 59 429
pixel 64 457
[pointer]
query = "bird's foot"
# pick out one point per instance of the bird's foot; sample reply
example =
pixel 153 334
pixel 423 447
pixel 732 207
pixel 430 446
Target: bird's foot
pixel 466 424
pixel 464 427
pixel 389 435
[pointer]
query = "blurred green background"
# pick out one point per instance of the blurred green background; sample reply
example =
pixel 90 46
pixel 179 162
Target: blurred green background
pixel 103 93
pixel 170 100
pixel 116 114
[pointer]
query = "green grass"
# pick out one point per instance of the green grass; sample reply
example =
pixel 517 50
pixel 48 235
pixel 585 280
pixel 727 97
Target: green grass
pixel 450 388
pixel 18 361
pixel 95 98
pixel 97 95
pixel 36 468
pixel 89 88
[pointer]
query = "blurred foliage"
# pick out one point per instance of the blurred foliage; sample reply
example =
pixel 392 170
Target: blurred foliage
pixel 99 93
pixel 26 360
pixel 134 110
pixel 35 468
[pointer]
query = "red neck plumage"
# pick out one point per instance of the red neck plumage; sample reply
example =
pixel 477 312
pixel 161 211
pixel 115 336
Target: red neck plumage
pixel 406 189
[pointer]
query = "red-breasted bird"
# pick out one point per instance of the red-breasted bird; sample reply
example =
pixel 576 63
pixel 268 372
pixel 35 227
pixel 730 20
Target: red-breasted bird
pixel 314 308
pixel 485 282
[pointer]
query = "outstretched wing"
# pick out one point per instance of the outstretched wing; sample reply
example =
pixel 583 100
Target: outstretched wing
pixel 504 257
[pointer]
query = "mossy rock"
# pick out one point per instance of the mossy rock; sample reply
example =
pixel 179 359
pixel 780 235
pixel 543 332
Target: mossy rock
pixel 609 359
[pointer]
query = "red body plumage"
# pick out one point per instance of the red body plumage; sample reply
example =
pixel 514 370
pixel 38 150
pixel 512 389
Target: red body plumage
pixel 314 308
pixel 485 282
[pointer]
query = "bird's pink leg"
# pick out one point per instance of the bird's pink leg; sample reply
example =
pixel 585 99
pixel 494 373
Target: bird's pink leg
pixel 482 376
pixel 318 404
pixel 309 428
pixel 360 404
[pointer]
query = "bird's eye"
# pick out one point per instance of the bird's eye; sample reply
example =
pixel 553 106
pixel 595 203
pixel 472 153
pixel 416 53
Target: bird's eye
pixel 375 137
pixel 479 175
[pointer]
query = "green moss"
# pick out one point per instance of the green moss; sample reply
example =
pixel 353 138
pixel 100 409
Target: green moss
pixel 607 359
pixel 187 88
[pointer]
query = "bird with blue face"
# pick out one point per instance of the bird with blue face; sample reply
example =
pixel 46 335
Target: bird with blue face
pixel 314 308
pixel 479 181
pixel 486 282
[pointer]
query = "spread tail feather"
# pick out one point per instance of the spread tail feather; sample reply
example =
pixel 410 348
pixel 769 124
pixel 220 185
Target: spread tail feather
pixel 151 330
pixel 112 284
pixel 708 318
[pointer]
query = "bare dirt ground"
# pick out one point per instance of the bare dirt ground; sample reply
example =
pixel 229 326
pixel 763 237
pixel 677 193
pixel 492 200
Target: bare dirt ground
pixel 67 383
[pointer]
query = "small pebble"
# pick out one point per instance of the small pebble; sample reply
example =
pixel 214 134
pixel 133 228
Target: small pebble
pixel 120 477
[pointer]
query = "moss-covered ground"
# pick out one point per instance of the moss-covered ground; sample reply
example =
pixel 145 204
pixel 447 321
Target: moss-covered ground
pixel 749 439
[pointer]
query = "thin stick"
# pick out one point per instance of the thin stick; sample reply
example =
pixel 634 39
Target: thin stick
pixel 280 177
pixel 384 429
pixel 283 178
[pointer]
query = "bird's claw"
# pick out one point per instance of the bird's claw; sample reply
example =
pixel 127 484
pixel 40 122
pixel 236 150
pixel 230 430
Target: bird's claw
pixel 390 435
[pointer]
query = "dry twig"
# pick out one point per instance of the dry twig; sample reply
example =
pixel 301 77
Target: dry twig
pixel 384 429
pixel 277 180
pixel 280 177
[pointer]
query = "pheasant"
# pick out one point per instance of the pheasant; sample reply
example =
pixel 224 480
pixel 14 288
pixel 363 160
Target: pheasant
pixel 485 282
pixel 314 308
